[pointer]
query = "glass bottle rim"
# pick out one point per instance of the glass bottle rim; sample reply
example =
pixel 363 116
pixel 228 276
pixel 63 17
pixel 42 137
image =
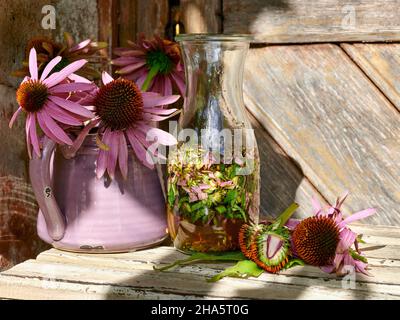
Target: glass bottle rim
pixel 206 37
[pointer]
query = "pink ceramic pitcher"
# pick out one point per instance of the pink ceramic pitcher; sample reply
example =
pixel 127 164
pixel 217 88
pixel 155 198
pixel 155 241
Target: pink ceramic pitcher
pixel 79 212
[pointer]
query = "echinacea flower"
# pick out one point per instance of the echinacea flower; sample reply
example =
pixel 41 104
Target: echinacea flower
pixel 45 102
pixel 69 51
pixel 326 239
pixel 155 65
pixel 124 114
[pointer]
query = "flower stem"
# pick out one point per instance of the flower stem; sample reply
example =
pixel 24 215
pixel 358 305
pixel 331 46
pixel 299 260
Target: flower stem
pixel 150 76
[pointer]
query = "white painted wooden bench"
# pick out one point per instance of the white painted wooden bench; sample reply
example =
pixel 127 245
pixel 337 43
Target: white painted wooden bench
pixel 63 275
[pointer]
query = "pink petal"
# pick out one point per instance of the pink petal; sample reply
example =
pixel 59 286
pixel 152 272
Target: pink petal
pixel 152 101
pixel 316 205
pixel 127 53
pixel 113 152
pixel 70 87
pixel 14 117
pixel 46 130
pixel 328 269
pixel 167 86
pixel 50 66
pixel 160 111
pixel 159 135
pixel 132 67
pixel 338 260
pixel 138 148
pixel 101 163
pixel 123 156
pixel 140 80
pixel 33 135
pixel 72 107
pixel 342 199
pixel 106 78
pixel 27 133
pixel 123 61
pixel 61 115
pixel 80 45
pixel 102 160
pixel 52 129
pixel 360 267
pixel 150 146
pixel 153 117
pixel 359 215
pixel 33 69
pixel 347 238
pixel 179 81
pixel 71 152
pixel 57 77
pixel 76 78
pixel 292 223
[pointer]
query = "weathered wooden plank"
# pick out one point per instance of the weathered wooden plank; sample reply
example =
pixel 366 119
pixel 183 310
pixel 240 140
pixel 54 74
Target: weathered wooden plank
pixel 282 181
pixel 327 115
pixel 108 31
pixel 18 211
pixel 181 282
pixel 384 271
pixel 381 62
pixel 14 155
pixel 293 21
pixel 201 16
pixel 127 21
pixel 35 289
pixel 152 17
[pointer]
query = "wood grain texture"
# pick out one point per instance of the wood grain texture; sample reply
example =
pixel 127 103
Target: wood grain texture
pixel 20 20
pixel 152 17
pixel 63 275
pixel 18 211
pixel 127 20
pixel 201 16
pixel 381 62
pixel 293 21
pixel 108 29
pixel 282 180
pixel 327 115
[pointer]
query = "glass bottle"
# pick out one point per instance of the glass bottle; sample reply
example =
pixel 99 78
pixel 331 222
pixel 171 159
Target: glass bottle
pixel 213 172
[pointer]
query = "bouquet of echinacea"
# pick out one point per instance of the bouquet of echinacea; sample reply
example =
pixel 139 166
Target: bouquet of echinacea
pixel 62 102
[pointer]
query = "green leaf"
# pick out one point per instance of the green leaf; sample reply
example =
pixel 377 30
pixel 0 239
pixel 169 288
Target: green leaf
pixel 243 214
pixel 182 200
pixel 293 263
pixel 220 209
pixel 230 196
pixel 197 206
pixel 360 239
pixel 355 255
pixel 205 257
pixel 171 196
pixel 242 269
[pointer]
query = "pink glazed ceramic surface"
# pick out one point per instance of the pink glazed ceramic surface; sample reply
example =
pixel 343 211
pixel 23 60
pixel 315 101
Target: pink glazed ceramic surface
pixel 82 213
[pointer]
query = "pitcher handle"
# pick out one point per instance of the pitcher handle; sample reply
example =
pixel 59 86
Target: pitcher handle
pixel 39 172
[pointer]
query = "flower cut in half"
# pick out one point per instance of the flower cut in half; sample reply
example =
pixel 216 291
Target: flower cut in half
pixel 69 51
pixel 124 114
pixel 268 245
pixel 325 240
pixel 155 65
pixel 45 102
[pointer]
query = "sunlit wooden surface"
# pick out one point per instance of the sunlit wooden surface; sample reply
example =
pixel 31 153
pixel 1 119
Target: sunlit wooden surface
pixel 62 275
